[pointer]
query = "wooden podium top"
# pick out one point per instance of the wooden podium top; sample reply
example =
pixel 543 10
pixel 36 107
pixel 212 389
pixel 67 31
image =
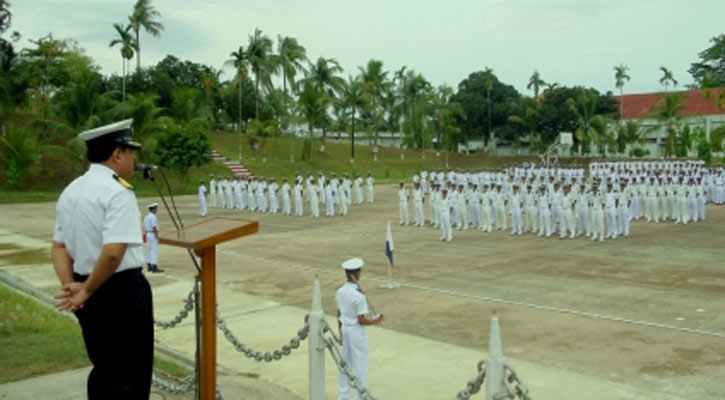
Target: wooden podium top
pixel 210 232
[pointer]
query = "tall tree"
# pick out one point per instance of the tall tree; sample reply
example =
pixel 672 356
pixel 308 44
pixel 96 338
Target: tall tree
pixel 667 78
pixel 312 105
pixel 375 80
pixel 128 44
pixel 259 54
pixel 323 74
pixel 144 16
pixel 290 58
pixel 535 83
pixel 353 98
pixel 489 78
pixel 240 62
pixel 590 126
pixel 712 63
pixel 620 77
pixel 413 89
pixel 668 113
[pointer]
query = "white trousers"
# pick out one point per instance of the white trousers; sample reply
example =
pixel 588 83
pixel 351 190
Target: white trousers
pixel 623 220
pixel 371 194
pixel 545 222
pixel 152 248
pixel 355 351
pixel 286 205
pixel 214 203
pixel 298 206
pixel 531 219
pixel 568 224
pixel 446 225
pixel 202 206
pixel 517 225
pixel 597 224
pixel 611 215
pixel 419 216
pixel 584 221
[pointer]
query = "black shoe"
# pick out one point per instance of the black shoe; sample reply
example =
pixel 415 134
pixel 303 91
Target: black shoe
pixel 157 270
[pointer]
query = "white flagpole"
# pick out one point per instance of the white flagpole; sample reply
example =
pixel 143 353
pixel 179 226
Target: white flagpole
pixel 390 284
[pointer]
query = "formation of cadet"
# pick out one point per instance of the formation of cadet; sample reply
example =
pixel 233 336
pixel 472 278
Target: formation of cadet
pixel 564 201
pixel 259 194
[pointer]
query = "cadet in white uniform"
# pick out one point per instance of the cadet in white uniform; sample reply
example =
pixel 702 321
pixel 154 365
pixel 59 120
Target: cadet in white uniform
pixel 370 183
pixel 313 196
pixel 212 192
pixel 97 254
pixel 202 198
pixel 418 205
pixel 298 199
pixel 286 198
pixel 151 224
pixel 445 209
pixel 352 306
pixel 403 204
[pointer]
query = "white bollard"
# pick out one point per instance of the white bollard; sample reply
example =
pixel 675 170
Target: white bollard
pixel 495 363
pixel 317 346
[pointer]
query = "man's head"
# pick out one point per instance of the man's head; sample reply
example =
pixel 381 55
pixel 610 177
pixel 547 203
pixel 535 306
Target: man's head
pixel 353 268
pixel 112 146
pixel 153 207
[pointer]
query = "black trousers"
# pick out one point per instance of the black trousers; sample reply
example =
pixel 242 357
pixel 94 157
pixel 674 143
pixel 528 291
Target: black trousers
pixel 118 330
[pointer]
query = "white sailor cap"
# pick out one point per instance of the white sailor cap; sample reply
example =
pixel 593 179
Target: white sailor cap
pixel 118 132
pixel 353 264
pixel 153 205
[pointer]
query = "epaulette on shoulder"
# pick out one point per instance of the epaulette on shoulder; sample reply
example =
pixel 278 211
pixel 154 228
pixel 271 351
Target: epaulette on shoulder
pixel 123 182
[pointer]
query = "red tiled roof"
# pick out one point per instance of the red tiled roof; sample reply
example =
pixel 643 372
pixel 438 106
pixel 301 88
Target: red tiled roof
pixel 637 106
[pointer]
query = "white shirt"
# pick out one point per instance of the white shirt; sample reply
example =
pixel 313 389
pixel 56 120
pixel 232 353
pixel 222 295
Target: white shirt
pixel 95 210
pixel 202 191
pixel 150 222
pixel 351 303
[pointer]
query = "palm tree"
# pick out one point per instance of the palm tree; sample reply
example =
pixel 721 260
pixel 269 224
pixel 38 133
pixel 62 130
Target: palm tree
pixel 489 78
pixel 590 126
pixel 144 15
pixel 240 62
pixel 375 81
pixel 413 87
pixel 19 155
pixel 667 113
pixel 667 78
pixel 312 106
pixel 259 54
pixel 126 40
pixel 323 75
pixel 535 82
pixel 620 76
pixel 630 133
pixel 528 120
pixel 353 97
pixel 290 56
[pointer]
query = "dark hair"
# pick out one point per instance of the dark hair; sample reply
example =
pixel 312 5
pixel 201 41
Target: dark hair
pixel 100 150
pixel 351 272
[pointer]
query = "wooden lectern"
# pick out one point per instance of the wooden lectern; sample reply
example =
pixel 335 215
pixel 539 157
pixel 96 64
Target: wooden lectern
pixel 202 238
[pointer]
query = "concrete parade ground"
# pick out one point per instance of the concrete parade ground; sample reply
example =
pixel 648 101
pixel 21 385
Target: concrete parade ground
pixel 633 318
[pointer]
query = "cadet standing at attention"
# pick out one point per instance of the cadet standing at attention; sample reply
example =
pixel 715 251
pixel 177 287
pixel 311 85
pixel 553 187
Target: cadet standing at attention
pixel 97 254
pixel 202 198
pixel 151 224
pixel 352 306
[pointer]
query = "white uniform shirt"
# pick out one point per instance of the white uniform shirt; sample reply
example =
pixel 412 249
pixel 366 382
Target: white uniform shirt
pixel 351 303
pixel 150 222
pixel 95 210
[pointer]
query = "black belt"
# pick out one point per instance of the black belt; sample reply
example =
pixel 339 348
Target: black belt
pixel 136 270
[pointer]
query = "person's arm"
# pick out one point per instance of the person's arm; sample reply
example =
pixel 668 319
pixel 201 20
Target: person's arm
pixel 363 320
pixel 62 263
pixel 339 326
pixel 75 294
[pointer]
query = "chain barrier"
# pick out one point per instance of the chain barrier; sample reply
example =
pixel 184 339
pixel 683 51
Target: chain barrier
pixel 332 344
pixel 519 389
pixel 188 306
pixel 267 356
pixel 474 385
pixel 187 384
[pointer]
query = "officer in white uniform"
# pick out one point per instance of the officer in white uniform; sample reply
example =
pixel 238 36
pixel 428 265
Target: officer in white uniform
pixel 403 204
pixel 97 253
pixel 202 198
pixel 151 225
pixel 370 184
pixel 352 306
pixel 212 191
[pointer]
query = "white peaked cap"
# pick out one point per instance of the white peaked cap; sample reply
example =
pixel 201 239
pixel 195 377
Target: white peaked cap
pixel 353 264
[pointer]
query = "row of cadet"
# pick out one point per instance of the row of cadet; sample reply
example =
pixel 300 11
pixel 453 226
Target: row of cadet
pixel 570 210
pixel 261 195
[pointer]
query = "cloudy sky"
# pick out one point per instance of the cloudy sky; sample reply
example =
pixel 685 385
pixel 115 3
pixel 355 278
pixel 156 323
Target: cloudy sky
pixel 571 42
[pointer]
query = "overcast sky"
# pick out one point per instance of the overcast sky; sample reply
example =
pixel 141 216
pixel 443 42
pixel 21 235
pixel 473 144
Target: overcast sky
pixel 571 42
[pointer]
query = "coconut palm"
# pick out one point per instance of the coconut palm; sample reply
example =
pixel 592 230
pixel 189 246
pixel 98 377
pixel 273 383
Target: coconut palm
pixel 668 115
pixel 262 61
pixel 535 83
pixel 128 44
pixel 413 87
pixel 143 16
pixel 528 119
pixel 620 77
pixel 312 105
pixel 240 62
pixel 590 126
pixel 444 112
pixel 323 74
pixel 667 78
pixel 353 97
pixel 489 80
pixel 290 58
pixel 375 80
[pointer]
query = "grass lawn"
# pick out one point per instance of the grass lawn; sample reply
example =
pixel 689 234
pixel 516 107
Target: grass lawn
pixel 336 158
pixel 36 340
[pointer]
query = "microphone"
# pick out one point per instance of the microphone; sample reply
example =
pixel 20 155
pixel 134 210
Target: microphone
pixel 144 167
pixel 147 170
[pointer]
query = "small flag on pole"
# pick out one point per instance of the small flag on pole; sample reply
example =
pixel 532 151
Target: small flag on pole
pixel 389 245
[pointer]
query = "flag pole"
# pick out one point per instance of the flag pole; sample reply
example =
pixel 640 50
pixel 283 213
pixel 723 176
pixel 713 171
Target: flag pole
pixel 390 284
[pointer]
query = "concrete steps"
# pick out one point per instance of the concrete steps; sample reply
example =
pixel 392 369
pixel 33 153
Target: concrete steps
pixel 237 169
